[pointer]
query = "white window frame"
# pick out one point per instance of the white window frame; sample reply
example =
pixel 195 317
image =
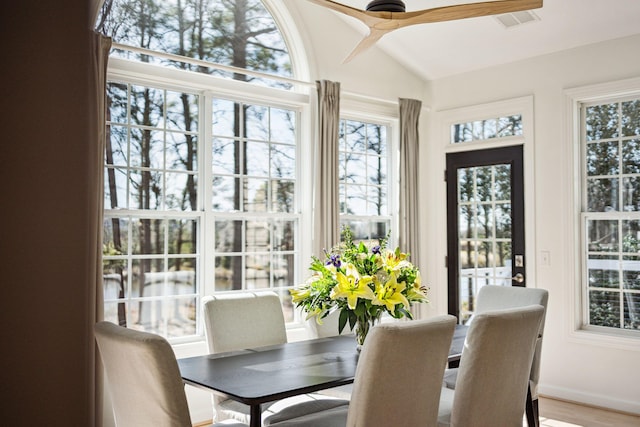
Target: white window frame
pixel 211 86
pixel 577 304
pixel 374 111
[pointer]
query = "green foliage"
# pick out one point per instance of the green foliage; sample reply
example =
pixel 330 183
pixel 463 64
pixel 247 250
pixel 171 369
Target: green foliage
pixel 360 281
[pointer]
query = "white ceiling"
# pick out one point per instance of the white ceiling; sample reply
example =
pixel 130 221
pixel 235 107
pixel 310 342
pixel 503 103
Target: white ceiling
pixel 447 48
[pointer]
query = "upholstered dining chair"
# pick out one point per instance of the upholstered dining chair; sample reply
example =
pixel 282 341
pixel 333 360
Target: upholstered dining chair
pixel 397 380
pixel 493 376
pixel 493 297
pixel 143 378
pixel 241 320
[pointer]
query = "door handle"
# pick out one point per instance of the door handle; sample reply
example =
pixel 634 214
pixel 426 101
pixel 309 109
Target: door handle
pixel 519 278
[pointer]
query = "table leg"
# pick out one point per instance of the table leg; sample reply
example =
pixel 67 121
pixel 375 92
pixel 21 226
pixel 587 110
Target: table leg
pixel 256 416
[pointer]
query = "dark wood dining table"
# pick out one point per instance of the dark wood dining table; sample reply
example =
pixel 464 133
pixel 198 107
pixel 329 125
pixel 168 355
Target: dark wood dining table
pixel 260 375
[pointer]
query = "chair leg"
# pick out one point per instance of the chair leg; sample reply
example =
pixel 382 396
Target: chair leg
pixel 533 416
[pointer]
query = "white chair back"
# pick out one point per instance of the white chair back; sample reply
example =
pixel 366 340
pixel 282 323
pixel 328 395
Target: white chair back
pixel 501 297
pixel 397 380
pixel 493 377
pixel 238 321
pixel 143 378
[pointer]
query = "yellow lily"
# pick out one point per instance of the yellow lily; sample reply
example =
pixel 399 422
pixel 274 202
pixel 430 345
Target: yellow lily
pixel 352 287
pixel 390 294
pixel 416 293
pixel 299 294
pixel 395 261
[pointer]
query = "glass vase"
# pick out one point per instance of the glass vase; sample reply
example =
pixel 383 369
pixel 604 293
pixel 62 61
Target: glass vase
pixel 363 326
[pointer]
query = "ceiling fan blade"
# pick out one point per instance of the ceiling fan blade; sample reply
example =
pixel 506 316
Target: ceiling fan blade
pixel 371 39
pixel 463 11
pixel 342 8
pixel 368 18
pixel 380 23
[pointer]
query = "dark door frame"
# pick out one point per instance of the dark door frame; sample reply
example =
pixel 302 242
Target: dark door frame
pixel 513 155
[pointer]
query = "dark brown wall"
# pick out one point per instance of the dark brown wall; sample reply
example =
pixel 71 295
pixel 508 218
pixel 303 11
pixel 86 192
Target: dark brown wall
pixel 44 51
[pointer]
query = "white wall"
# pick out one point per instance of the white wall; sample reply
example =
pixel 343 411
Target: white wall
pixel 594 371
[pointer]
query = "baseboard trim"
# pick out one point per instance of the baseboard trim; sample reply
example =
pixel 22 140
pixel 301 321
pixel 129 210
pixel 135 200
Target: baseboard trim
pixel 590 399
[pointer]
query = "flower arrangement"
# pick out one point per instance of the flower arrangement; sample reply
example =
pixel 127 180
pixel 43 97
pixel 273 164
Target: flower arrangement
pixel 362 282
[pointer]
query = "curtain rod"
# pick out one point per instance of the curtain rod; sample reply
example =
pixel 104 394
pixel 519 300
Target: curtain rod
pixel 259 74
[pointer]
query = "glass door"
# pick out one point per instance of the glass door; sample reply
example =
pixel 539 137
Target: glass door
pixel 485 224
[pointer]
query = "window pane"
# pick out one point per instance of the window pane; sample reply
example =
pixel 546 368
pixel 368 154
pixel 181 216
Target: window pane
pixel 602 235
pixel 148 236
pixel 631 310
pixel 117 104
pixel 182 236
pixel 631 193
pixel 115 188
pixel 224 118
pixel 117 148
pixel 377 204
pixel 602 121
pixel 284 235
pixel 257 272
pixel 503 221
pixel 602 195
pixel 283 269
pixel 631 118
pixel 228 273
pixel 257 236
pixel 145 189
pixel 228 236
pixel 283 125
pixel 631 274
pixel 147 106
pixel 256 193
pixel 226 193
pixel 257 122
pixel 377 135
pixel 282 198
pixel 258 161
pixel 115 236
pixel 182 152
pixel 181 193
pixel 224 155
pixel 488 128
pixel 182 111
pixel 604 309
pixel 631 156
pixel 283 161
pixel 602 158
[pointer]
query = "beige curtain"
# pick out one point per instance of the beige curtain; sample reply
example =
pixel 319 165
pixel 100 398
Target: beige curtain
pixel 325 218
pixel 408 235
pixel 100 50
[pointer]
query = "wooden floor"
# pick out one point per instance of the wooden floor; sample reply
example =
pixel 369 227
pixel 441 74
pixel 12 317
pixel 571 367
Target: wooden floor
pixel 557 413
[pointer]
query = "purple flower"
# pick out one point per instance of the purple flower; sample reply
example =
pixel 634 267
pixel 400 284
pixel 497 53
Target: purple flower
pixel 334 260
pixel 376 249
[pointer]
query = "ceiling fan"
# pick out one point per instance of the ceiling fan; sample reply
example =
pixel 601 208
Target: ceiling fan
pixel 384 16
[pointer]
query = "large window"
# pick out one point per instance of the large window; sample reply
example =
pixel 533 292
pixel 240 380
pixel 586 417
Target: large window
pixel 364 158
pixel 610 134
pixel 201 165
pixel 200 196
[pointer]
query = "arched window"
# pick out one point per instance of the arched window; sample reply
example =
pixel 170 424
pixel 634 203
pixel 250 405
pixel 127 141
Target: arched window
pixel 236 33
pixel 202 168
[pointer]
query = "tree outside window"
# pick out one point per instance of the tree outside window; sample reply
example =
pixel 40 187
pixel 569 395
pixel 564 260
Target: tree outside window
pixel 155 236
pixel 611 212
